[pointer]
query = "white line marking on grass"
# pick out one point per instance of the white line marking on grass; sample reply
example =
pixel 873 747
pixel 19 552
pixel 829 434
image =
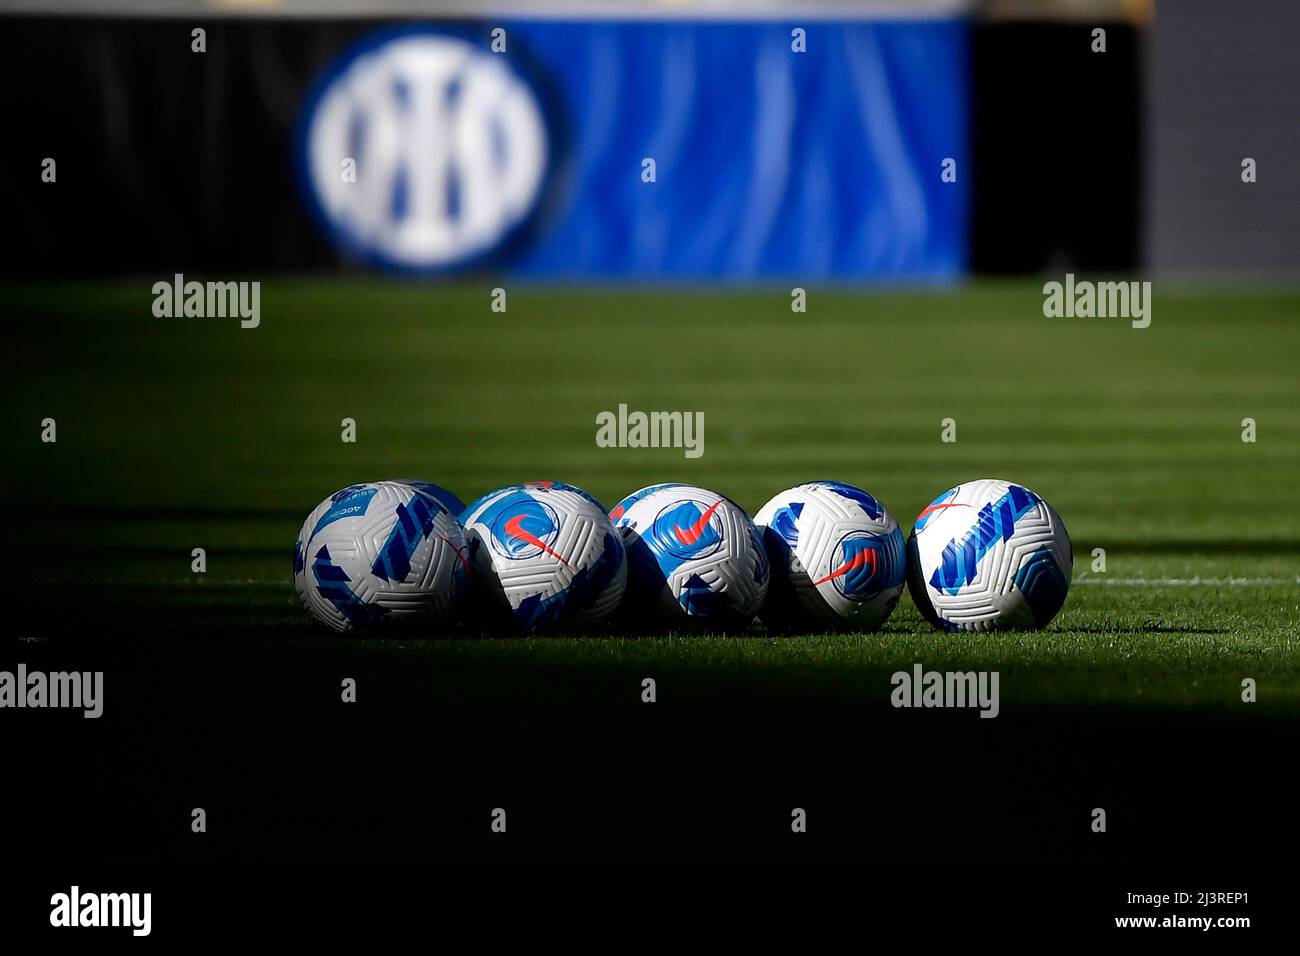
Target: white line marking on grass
pixel 1189 582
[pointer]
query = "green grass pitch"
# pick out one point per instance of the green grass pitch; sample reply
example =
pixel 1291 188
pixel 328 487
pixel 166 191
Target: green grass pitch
pixel 183 433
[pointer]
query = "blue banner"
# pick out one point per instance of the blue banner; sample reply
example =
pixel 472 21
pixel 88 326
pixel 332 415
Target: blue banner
pixel 769 164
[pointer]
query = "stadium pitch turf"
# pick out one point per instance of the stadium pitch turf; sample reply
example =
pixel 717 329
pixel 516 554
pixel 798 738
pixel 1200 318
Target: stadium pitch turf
pixel 174 434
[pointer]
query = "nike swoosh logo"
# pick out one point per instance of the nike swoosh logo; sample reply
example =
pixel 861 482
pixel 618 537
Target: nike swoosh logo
pixel 692 534
pixel 950 504
pixel 857 561
pixel 515 529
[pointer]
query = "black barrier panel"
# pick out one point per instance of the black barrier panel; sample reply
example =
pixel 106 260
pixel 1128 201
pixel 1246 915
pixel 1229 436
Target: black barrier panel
pixel 1058 148
pixel 166 160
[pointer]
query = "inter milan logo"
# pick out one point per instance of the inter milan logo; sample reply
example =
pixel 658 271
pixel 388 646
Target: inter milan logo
pixel 423 151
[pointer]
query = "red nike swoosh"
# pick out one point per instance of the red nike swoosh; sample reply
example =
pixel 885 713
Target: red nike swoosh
pixel 858 560
pixel 517 530
pixel 950 504
pixel 692 534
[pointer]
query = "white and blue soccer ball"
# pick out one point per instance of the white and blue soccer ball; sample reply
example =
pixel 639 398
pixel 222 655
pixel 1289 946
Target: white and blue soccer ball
pixel 379 554
pixel 546 556
pixel 694 557
pixel 838 558
pixel 989 555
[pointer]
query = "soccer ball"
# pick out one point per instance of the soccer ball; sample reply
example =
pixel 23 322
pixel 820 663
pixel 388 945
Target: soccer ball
pixel 989 555
pixel 380 553
pixel 546 556
pixel 694 557
pixel 838 558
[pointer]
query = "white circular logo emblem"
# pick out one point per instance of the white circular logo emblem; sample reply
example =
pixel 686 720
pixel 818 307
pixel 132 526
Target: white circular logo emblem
pixel 448 146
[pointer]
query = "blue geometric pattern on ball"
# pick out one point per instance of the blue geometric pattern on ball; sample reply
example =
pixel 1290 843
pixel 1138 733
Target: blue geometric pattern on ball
pixel 786 522
pixel 477 503
pixel 332 584
pixel 535 611
pixel 351 502
pixel 996 522
pixel 868 503
pixel 413 524
pixel 700 600
pixel 297 558
pixel 893 555
pixel 1043 584
pixel 440 494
